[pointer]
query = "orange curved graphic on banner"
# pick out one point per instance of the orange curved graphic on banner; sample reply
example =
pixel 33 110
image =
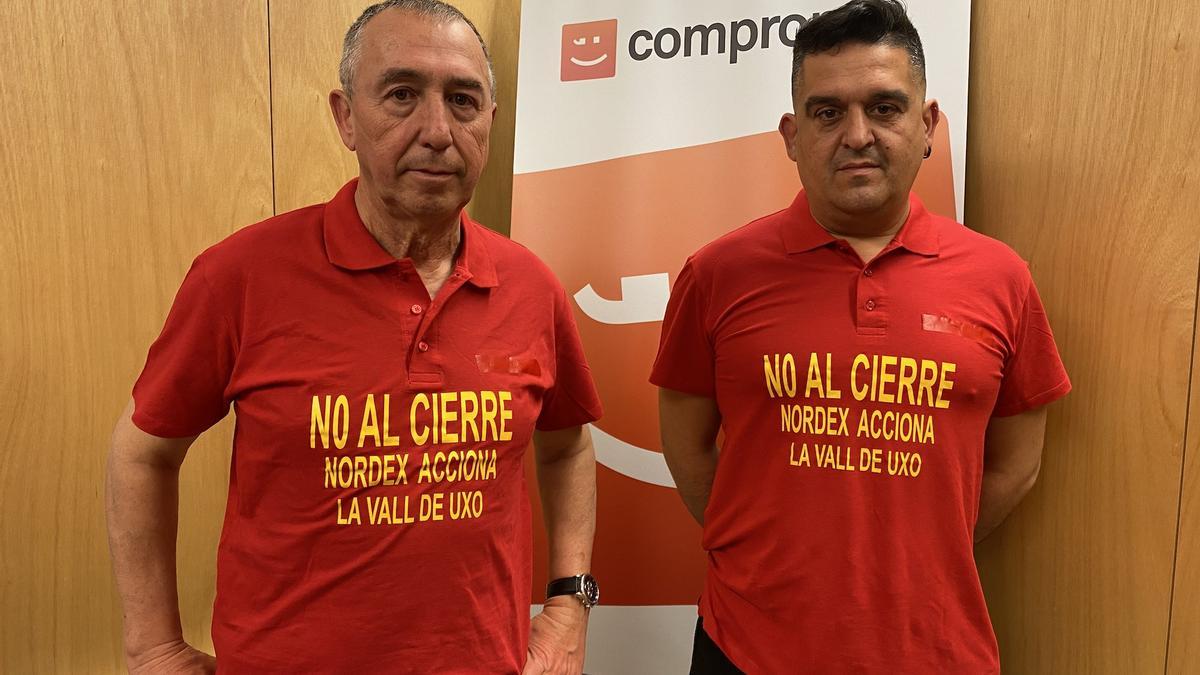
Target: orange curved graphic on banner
pixel 616 232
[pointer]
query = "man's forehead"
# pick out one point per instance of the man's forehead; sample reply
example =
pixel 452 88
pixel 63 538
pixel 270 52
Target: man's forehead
pixel 857 69
pixel 402 36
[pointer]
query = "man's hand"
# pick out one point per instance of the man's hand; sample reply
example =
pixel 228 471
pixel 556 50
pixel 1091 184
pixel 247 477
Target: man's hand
pixel 557 638
pixel 172 657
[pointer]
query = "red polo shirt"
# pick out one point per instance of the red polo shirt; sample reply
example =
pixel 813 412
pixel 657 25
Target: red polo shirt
pixel 854 400
pixel 377 518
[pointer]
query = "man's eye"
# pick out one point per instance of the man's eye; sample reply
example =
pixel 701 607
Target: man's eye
pixel 462 100
pixel 826 114
pixel 402 95
pixel 886 109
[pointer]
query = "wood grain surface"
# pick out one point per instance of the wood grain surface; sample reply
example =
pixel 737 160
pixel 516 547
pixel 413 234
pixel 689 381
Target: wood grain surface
pixel 135 135
pixel 1183 645
pixel 1080 157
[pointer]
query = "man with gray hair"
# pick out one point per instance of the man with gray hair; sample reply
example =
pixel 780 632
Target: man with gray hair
pixel 389 360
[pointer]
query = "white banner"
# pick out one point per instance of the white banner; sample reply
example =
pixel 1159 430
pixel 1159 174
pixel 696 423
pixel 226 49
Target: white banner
pixel 645 130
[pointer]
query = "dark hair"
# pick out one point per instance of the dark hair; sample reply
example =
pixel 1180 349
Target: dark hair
pixel 859 21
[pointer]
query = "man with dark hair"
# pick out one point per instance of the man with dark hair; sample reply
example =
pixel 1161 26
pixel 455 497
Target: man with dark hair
pixel 880 373
pixel 389 360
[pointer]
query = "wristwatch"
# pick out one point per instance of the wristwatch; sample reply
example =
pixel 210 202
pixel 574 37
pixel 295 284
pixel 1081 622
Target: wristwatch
pixel 582 586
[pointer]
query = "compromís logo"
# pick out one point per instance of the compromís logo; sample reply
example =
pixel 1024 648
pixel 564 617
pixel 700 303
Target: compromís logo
pixel 739 37
pixel 589 50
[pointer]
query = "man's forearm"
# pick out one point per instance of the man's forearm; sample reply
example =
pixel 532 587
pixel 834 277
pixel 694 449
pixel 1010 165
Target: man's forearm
pixel 142 507
pixel 567 485
pixel 1012 460
pixel 1000 494
pixel 693 472
pixel 689 425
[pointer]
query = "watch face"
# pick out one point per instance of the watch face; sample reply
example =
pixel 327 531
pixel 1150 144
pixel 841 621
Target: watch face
pixel 591 590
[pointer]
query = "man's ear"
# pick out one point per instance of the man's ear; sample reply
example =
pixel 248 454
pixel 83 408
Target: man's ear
pixel 339 105
pixel 931 115
pixel 787 129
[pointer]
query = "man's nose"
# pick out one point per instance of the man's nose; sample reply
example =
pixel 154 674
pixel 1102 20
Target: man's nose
pixel 435 124
pixel 858 133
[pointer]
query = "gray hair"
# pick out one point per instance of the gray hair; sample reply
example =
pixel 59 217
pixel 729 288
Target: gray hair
pixel 434 9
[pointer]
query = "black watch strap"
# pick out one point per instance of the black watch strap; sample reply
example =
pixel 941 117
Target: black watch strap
pixel 582 586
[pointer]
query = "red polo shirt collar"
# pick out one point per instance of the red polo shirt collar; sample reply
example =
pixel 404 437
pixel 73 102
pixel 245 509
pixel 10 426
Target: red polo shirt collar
pixel 351 246
pixel 801 232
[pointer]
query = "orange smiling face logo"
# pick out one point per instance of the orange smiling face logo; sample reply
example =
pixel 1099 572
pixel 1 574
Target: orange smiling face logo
pixel 589 50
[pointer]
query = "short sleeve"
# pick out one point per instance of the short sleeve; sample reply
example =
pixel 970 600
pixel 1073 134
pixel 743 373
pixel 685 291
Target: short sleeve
pixel 572 399
pixel 685 351
pixel 182 389
pixel 1033 374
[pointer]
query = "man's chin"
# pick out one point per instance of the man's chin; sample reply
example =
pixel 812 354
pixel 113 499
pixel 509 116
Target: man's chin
pixel 427 202
pixel 861 202
pixel 434 208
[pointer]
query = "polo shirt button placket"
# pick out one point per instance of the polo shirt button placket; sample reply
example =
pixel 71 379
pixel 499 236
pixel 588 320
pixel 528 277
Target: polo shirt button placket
pixel 871 314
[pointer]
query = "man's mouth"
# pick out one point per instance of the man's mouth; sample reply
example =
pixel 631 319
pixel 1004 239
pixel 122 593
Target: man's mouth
pixel 852 166
pixel 432 172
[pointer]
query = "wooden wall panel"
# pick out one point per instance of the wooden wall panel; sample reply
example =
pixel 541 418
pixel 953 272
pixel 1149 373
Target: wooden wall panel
pixel 1183 646
pixel 310 161
pixel 1081 157
pixel 135 134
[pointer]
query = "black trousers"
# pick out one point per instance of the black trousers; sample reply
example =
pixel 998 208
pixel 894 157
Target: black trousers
pixel 707 657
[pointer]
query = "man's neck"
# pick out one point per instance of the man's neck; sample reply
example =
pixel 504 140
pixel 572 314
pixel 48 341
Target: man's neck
pixel 431 244
pixel 869 234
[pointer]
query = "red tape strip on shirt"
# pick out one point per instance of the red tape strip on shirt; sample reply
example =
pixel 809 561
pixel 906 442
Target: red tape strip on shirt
pixel 491 363
pixel 944 324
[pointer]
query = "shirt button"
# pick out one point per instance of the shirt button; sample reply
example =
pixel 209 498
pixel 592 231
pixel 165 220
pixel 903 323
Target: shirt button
pixel 416 309
pixel 869 272
pixel 423 346
pixel 870 305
